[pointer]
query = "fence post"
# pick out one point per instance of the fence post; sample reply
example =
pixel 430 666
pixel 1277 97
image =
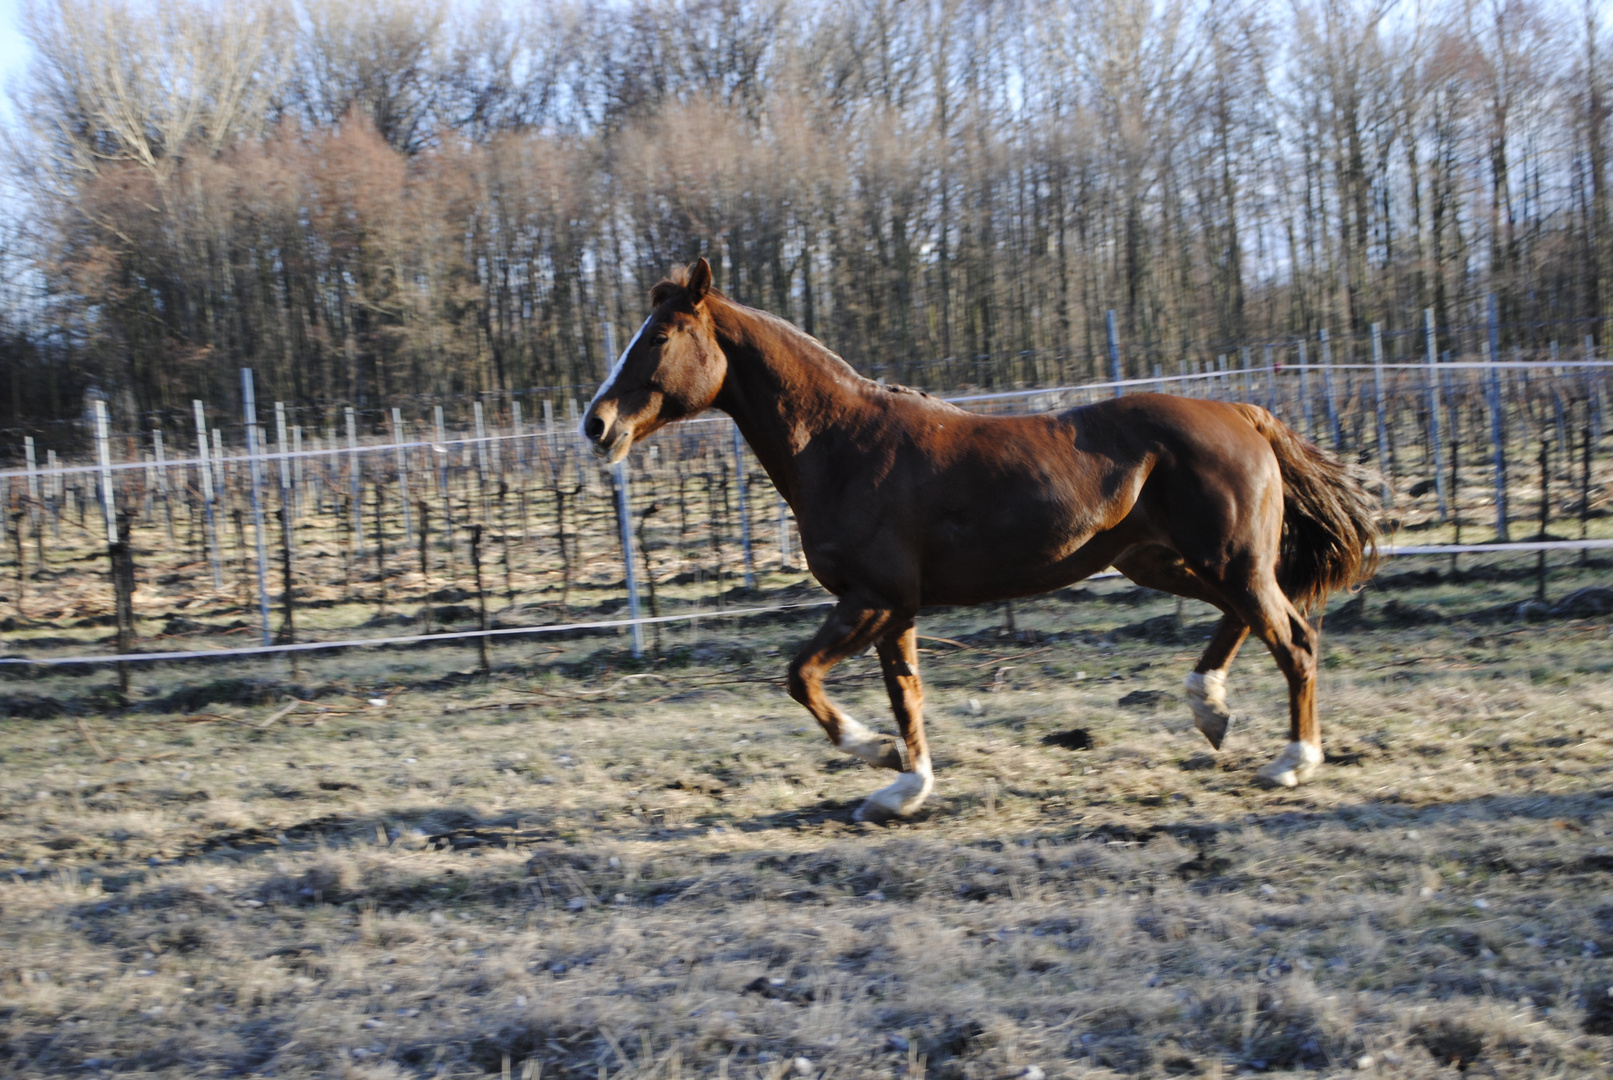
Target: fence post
pixel 1271 382
pixel 1305 391
pixel 1498 430
pixel 1430 340
pixel 162 482
pixel 204 472
pixel 55 494
pixel 249 408
pixel 121 555
pixel 297 480
pixel 522 462
pixel 440 448
pixel 481 596
pixel 744 511
pixel 221 469
pixel 286 492
pixel 1382 414
pixel 103 458
pixel 353 467
pixel 481 458
pixel 1114 349
pixel 783 534
pixel 403 471
pixel 624 517
pixel 34 504
pixel 1593 387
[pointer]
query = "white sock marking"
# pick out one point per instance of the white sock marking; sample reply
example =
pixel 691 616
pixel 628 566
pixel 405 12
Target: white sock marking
pixel 906 794
pixel 859 741
pixel 1209 685
pixel 1296 763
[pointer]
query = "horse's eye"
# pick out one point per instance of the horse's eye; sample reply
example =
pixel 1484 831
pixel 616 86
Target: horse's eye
pixel 658 339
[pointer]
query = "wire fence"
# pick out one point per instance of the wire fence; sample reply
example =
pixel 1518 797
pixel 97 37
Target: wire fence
pixel 320 535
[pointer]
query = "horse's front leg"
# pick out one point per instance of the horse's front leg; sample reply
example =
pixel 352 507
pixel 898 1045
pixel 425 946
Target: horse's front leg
pixel 899 659
pixel 850 629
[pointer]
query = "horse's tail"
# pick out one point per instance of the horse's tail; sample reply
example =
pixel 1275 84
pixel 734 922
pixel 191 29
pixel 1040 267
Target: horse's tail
pixel 1330 521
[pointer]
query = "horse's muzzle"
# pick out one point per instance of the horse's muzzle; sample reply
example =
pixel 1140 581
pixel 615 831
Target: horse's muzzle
pixel 606 435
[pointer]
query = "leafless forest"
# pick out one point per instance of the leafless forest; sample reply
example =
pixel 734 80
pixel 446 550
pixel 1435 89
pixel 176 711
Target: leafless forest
pixel 368 202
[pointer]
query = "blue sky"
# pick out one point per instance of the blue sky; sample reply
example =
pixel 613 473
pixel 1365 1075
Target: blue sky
pixel 13 52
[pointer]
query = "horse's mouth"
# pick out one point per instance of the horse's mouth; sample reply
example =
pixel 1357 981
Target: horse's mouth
pixel 616 450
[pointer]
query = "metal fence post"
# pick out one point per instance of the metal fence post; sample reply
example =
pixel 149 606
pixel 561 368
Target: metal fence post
pixel 103 458
pixel 204 472
pixel 286 494
pixel 1498 429
pixel 624 515
pixel 162 481
pixel 1305 391
pixel 783 534
pixel 440 448
pixel 403 471
pixel 1593 388
pixel 1271 382
pixel 1430 339
pixel 353 467
pixel 1382 413
pixel 744 511
pixel 28 454
pixel 1114 349
pixel 249 409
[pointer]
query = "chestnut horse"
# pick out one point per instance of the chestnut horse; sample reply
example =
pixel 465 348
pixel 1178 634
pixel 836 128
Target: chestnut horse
pixel 904 501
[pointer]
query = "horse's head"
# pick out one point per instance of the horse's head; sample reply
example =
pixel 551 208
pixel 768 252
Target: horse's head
pixel 671 369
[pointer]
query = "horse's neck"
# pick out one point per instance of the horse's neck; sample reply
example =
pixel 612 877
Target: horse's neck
pixel 783 390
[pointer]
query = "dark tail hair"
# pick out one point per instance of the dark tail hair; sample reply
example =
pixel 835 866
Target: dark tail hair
pixel 1330 521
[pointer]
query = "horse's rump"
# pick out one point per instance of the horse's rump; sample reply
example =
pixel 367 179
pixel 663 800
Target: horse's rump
pixel 1330 526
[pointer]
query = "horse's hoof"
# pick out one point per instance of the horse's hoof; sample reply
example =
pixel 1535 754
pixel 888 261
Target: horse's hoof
pixel 890 756
pixel 1206 694
pixel 872 813
pixel 898 799
pixel 880 751
pixel 1295 765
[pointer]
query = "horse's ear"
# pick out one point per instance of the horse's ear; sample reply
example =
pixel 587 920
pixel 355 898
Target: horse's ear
pixel 699 281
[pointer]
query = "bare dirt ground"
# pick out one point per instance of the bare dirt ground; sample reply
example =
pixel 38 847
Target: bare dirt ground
pixel 602 868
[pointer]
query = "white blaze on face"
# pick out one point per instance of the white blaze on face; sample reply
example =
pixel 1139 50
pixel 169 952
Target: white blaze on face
pixel 610 380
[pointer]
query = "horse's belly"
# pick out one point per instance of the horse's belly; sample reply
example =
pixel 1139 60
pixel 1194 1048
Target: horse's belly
pixel 984 561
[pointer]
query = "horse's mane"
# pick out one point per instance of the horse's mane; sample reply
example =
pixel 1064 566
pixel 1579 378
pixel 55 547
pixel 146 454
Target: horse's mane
pixel 676 283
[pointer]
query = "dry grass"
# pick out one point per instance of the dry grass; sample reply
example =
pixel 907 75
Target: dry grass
pixel 561 869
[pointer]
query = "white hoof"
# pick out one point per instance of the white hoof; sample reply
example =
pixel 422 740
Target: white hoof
pixel 901 798
pixel 1207 694
pixel 1293 766
pixel 882 751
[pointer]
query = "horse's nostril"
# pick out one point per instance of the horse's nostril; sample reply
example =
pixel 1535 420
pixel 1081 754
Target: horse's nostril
pixel 594 428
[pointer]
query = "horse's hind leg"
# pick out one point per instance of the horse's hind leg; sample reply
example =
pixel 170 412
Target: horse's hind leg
pixel 899 660
pixel 1293 644
pixel 1163 569
pixel 1207 682
pixel 850 629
